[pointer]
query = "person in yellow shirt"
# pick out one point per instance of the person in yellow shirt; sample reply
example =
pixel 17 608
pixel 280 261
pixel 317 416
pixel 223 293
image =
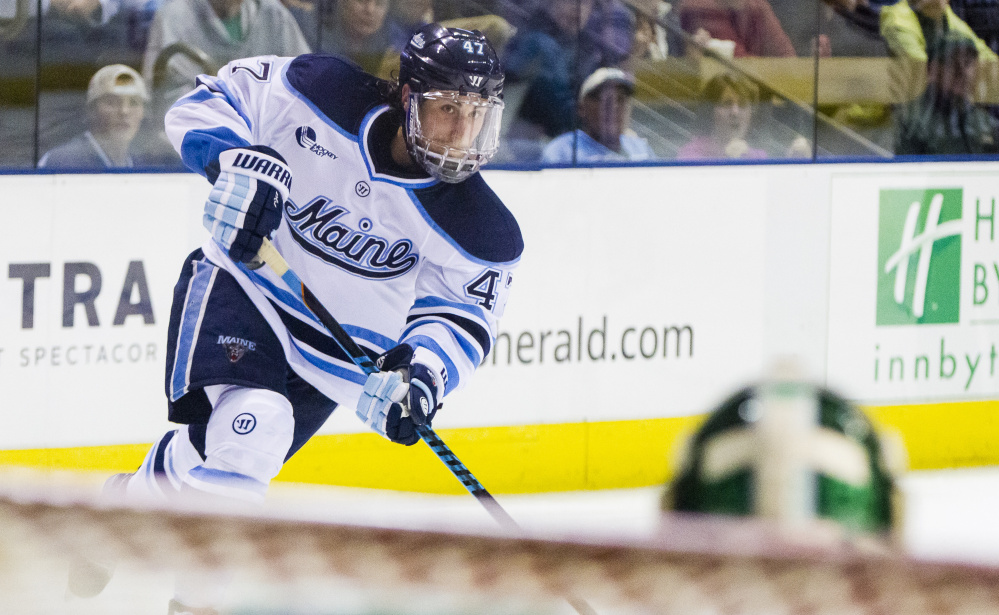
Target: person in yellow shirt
pixel 909 27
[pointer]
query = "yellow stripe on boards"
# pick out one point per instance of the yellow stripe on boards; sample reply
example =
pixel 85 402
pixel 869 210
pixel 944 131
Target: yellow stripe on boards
pixel 945 435
pixel 513 459
pixel 113 458
pixel 557 457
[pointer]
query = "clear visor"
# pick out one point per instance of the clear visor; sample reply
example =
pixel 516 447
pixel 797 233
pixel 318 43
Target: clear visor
pixel 453 134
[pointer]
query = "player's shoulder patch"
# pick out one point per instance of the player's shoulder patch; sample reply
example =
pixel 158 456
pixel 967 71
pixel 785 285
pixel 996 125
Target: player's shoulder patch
pixel 340 89
pixel 474 218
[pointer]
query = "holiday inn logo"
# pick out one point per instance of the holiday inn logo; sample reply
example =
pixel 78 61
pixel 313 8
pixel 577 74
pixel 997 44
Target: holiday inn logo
pixel 919 256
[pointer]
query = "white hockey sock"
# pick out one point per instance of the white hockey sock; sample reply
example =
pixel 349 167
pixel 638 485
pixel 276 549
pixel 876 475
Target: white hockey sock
pixel 175 456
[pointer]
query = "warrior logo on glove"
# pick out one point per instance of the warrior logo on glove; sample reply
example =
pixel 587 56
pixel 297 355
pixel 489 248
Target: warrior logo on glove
pixel 265 168
pixel 245 204
pixel 399 398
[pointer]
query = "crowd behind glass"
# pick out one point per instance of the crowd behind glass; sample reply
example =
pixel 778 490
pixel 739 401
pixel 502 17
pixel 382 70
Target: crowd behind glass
pixel 85 84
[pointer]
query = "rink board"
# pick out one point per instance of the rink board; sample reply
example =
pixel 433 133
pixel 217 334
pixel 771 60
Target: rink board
pixel 645 296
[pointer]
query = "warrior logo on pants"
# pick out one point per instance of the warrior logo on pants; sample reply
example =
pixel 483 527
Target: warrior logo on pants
pixel 244 423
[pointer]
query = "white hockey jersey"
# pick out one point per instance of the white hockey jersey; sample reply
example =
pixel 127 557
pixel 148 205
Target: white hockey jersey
pixel 394 256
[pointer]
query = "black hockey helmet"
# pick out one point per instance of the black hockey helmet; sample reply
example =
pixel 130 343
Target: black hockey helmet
pixel 439 58
pixel 454 107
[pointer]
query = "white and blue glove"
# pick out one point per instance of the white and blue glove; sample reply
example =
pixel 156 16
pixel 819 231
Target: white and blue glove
pixel 247 200
pixel 404 395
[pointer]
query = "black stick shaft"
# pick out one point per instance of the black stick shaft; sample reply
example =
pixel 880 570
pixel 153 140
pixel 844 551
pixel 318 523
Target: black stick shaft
pixel 269 254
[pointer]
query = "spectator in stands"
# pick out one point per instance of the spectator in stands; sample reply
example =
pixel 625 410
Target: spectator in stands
pixel 306 14
pixel 565 41
pixel 816 28
pixel 982 16
pixel 116 98
pixel 652 40
pixel 358 30
pixel 348 28
pixel 728 101
pixel 945 120
pixel 604 114
pixel 367 32
pixel 911 26
pixel 407 16
pixel 214 32
pixel 863 14
pixel 404 23
pixel 750 26
pixel 100 11
pixel 87 29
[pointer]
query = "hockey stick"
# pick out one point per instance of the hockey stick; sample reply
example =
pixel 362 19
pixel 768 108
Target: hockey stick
pixel 269 254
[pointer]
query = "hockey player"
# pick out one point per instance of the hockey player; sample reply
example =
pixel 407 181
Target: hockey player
pixel 796 456
pixel 370 191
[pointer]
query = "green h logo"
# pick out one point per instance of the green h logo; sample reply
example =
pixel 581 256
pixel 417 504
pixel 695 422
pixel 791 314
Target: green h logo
pixel 919 257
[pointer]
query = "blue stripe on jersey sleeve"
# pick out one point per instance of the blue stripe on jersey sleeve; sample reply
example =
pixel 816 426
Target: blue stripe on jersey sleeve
pixel 432 302
pixel 231 99
pixel 452 372
pixel 471 352
pixel 199 95
pixel 202 147
pixel 209 88
pixel 368 335
pixel 479 333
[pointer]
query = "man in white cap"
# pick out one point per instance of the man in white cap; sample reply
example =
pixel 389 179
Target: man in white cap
pixel 116 99
pixel 604 115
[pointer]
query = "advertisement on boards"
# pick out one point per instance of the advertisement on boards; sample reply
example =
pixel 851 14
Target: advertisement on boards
pixel 914 286
pixel 84 303
pixel 640 294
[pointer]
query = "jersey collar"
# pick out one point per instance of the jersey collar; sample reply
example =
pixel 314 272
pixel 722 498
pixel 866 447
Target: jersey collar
pixel 369 161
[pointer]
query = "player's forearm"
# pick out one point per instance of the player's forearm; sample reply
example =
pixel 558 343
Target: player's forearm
pixel 202 125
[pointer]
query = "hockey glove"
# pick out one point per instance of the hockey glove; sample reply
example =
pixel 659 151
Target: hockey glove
pixel 246 203
pixel 399 398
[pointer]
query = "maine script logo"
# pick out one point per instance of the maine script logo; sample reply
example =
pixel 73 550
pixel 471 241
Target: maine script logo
pixel 318 228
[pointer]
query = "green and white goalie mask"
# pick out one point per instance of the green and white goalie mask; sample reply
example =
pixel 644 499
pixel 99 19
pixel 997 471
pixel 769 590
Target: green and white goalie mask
pixel 452 134
pixel 792 453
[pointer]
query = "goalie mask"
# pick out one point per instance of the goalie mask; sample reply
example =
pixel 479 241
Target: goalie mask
pixel 793 453
pixel 454 107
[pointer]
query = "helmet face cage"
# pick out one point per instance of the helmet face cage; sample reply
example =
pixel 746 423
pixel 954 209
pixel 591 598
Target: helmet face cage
pixel 454 106
pixel 450 134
